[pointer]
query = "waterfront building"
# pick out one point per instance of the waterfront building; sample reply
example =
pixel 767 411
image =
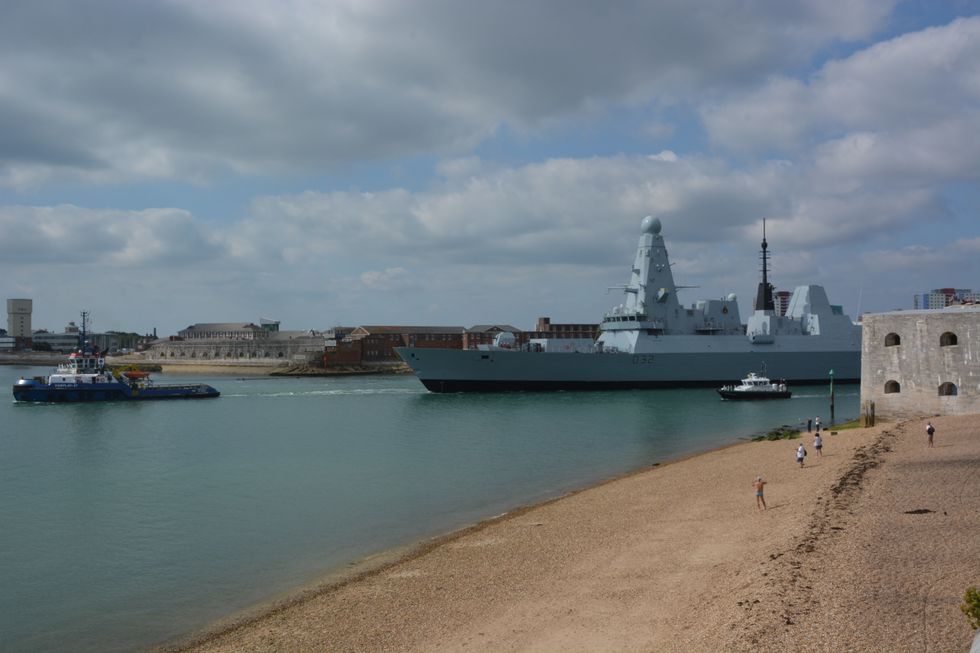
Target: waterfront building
pixel 546 330
pixel 379 341
pixel 484 334
pixel 374 344
pixel 924 362
pixel 943 297
pixel 63 342
pixel 225 331
pixel 231 342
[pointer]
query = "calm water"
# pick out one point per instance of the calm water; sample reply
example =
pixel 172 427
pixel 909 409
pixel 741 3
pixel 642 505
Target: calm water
pixel 128 524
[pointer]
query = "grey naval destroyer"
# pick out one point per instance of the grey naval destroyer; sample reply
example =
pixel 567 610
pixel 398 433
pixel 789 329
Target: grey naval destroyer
pixel 652 341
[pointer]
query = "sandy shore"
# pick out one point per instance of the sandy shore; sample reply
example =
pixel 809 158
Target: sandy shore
pixel 867 548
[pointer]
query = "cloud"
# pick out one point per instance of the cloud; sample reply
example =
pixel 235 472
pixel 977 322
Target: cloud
pixel 70 235
pixel 387 279
pixel 918 90
pixel 117 91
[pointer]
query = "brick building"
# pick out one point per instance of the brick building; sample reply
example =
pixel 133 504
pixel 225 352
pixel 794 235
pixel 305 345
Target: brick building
pixel 484 334
pixel 378 342
pixel 545 329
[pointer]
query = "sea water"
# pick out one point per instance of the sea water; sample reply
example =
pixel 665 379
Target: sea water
pixel 124 525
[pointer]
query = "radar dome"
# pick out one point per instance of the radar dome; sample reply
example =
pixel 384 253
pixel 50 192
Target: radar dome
pixel 732 297
pixel 650 225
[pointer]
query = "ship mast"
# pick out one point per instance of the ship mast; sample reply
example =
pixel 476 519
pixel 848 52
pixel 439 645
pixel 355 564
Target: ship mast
pixel 81 334
pixel 763 298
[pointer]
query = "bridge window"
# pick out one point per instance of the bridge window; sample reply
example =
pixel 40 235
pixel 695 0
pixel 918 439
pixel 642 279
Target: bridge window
pixel 947 390
pixel 947 339
pixel 892 386
pixel 892 339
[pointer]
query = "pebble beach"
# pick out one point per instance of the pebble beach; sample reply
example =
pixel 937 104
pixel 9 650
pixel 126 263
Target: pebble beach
pixel 869 547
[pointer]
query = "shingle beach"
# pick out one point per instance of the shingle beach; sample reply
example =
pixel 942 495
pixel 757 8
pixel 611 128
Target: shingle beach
pixel 867 548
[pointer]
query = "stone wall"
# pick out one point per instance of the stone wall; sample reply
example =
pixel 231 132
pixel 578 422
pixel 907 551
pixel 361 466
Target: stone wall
pixel 912 362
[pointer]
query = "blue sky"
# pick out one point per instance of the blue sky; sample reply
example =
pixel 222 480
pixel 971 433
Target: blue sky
pixel 457 163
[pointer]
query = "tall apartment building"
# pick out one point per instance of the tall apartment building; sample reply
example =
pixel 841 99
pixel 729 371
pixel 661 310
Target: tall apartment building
pixel 943 297
pixel 19 319
pixel 781 300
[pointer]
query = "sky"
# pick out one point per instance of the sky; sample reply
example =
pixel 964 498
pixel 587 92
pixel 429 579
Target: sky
pixel 459 162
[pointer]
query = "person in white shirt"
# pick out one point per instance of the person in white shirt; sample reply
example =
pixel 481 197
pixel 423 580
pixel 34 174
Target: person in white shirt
pixel 800 454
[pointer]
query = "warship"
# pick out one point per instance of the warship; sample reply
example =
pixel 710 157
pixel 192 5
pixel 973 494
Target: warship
pixel 651 341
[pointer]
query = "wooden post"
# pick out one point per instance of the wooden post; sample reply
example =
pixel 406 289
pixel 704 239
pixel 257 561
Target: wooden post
pixel 831 397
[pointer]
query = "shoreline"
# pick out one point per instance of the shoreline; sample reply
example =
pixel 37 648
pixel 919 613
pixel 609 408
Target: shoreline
pixel 378 563
pixel 674 557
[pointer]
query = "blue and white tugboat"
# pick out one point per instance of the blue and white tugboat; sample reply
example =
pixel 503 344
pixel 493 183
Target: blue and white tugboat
pixel 85 377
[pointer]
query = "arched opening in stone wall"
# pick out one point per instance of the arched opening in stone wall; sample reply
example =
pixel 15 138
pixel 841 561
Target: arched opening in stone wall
pixel 948 339
pixel 892 387
pixel 947 389
pixel 892 339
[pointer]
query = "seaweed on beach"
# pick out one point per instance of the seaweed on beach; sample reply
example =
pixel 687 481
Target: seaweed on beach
pixel 784 432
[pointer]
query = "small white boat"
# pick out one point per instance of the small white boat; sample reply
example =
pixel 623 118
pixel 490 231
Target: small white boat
pixel 756 386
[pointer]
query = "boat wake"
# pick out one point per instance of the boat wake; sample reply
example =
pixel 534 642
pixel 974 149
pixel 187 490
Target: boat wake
pixel 346 392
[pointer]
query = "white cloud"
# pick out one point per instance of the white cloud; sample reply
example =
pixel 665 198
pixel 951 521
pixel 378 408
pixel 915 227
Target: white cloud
pixel 70 235
pixel 110 91
pixel 387 279
pixel 905 91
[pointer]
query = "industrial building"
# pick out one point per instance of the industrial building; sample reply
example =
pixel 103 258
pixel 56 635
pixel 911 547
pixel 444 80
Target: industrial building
pixel 19 321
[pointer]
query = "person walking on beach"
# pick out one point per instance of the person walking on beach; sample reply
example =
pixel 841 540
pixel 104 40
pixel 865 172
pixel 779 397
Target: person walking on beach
pixel 930 430
pixel 818 444
pixel 800 454
pixel 809 425
pixel 816 422
pixel 760 500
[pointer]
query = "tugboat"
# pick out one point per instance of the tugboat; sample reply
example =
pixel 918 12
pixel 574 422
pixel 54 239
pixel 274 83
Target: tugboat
pixel 756 386
pixel 85 377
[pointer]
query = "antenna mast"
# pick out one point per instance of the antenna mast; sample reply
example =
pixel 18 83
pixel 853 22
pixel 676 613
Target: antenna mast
pixel 81 335
pixel 763 298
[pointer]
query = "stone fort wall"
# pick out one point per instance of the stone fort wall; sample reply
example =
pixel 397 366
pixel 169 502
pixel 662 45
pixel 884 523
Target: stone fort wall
pixel 916 363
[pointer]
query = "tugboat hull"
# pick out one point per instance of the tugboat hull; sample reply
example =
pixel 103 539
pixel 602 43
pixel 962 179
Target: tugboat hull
pixel 38 392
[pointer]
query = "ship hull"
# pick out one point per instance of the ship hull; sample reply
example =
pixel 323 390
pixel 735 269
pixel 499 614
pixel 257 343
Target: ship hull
pixel 36 392
pixel 454 370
